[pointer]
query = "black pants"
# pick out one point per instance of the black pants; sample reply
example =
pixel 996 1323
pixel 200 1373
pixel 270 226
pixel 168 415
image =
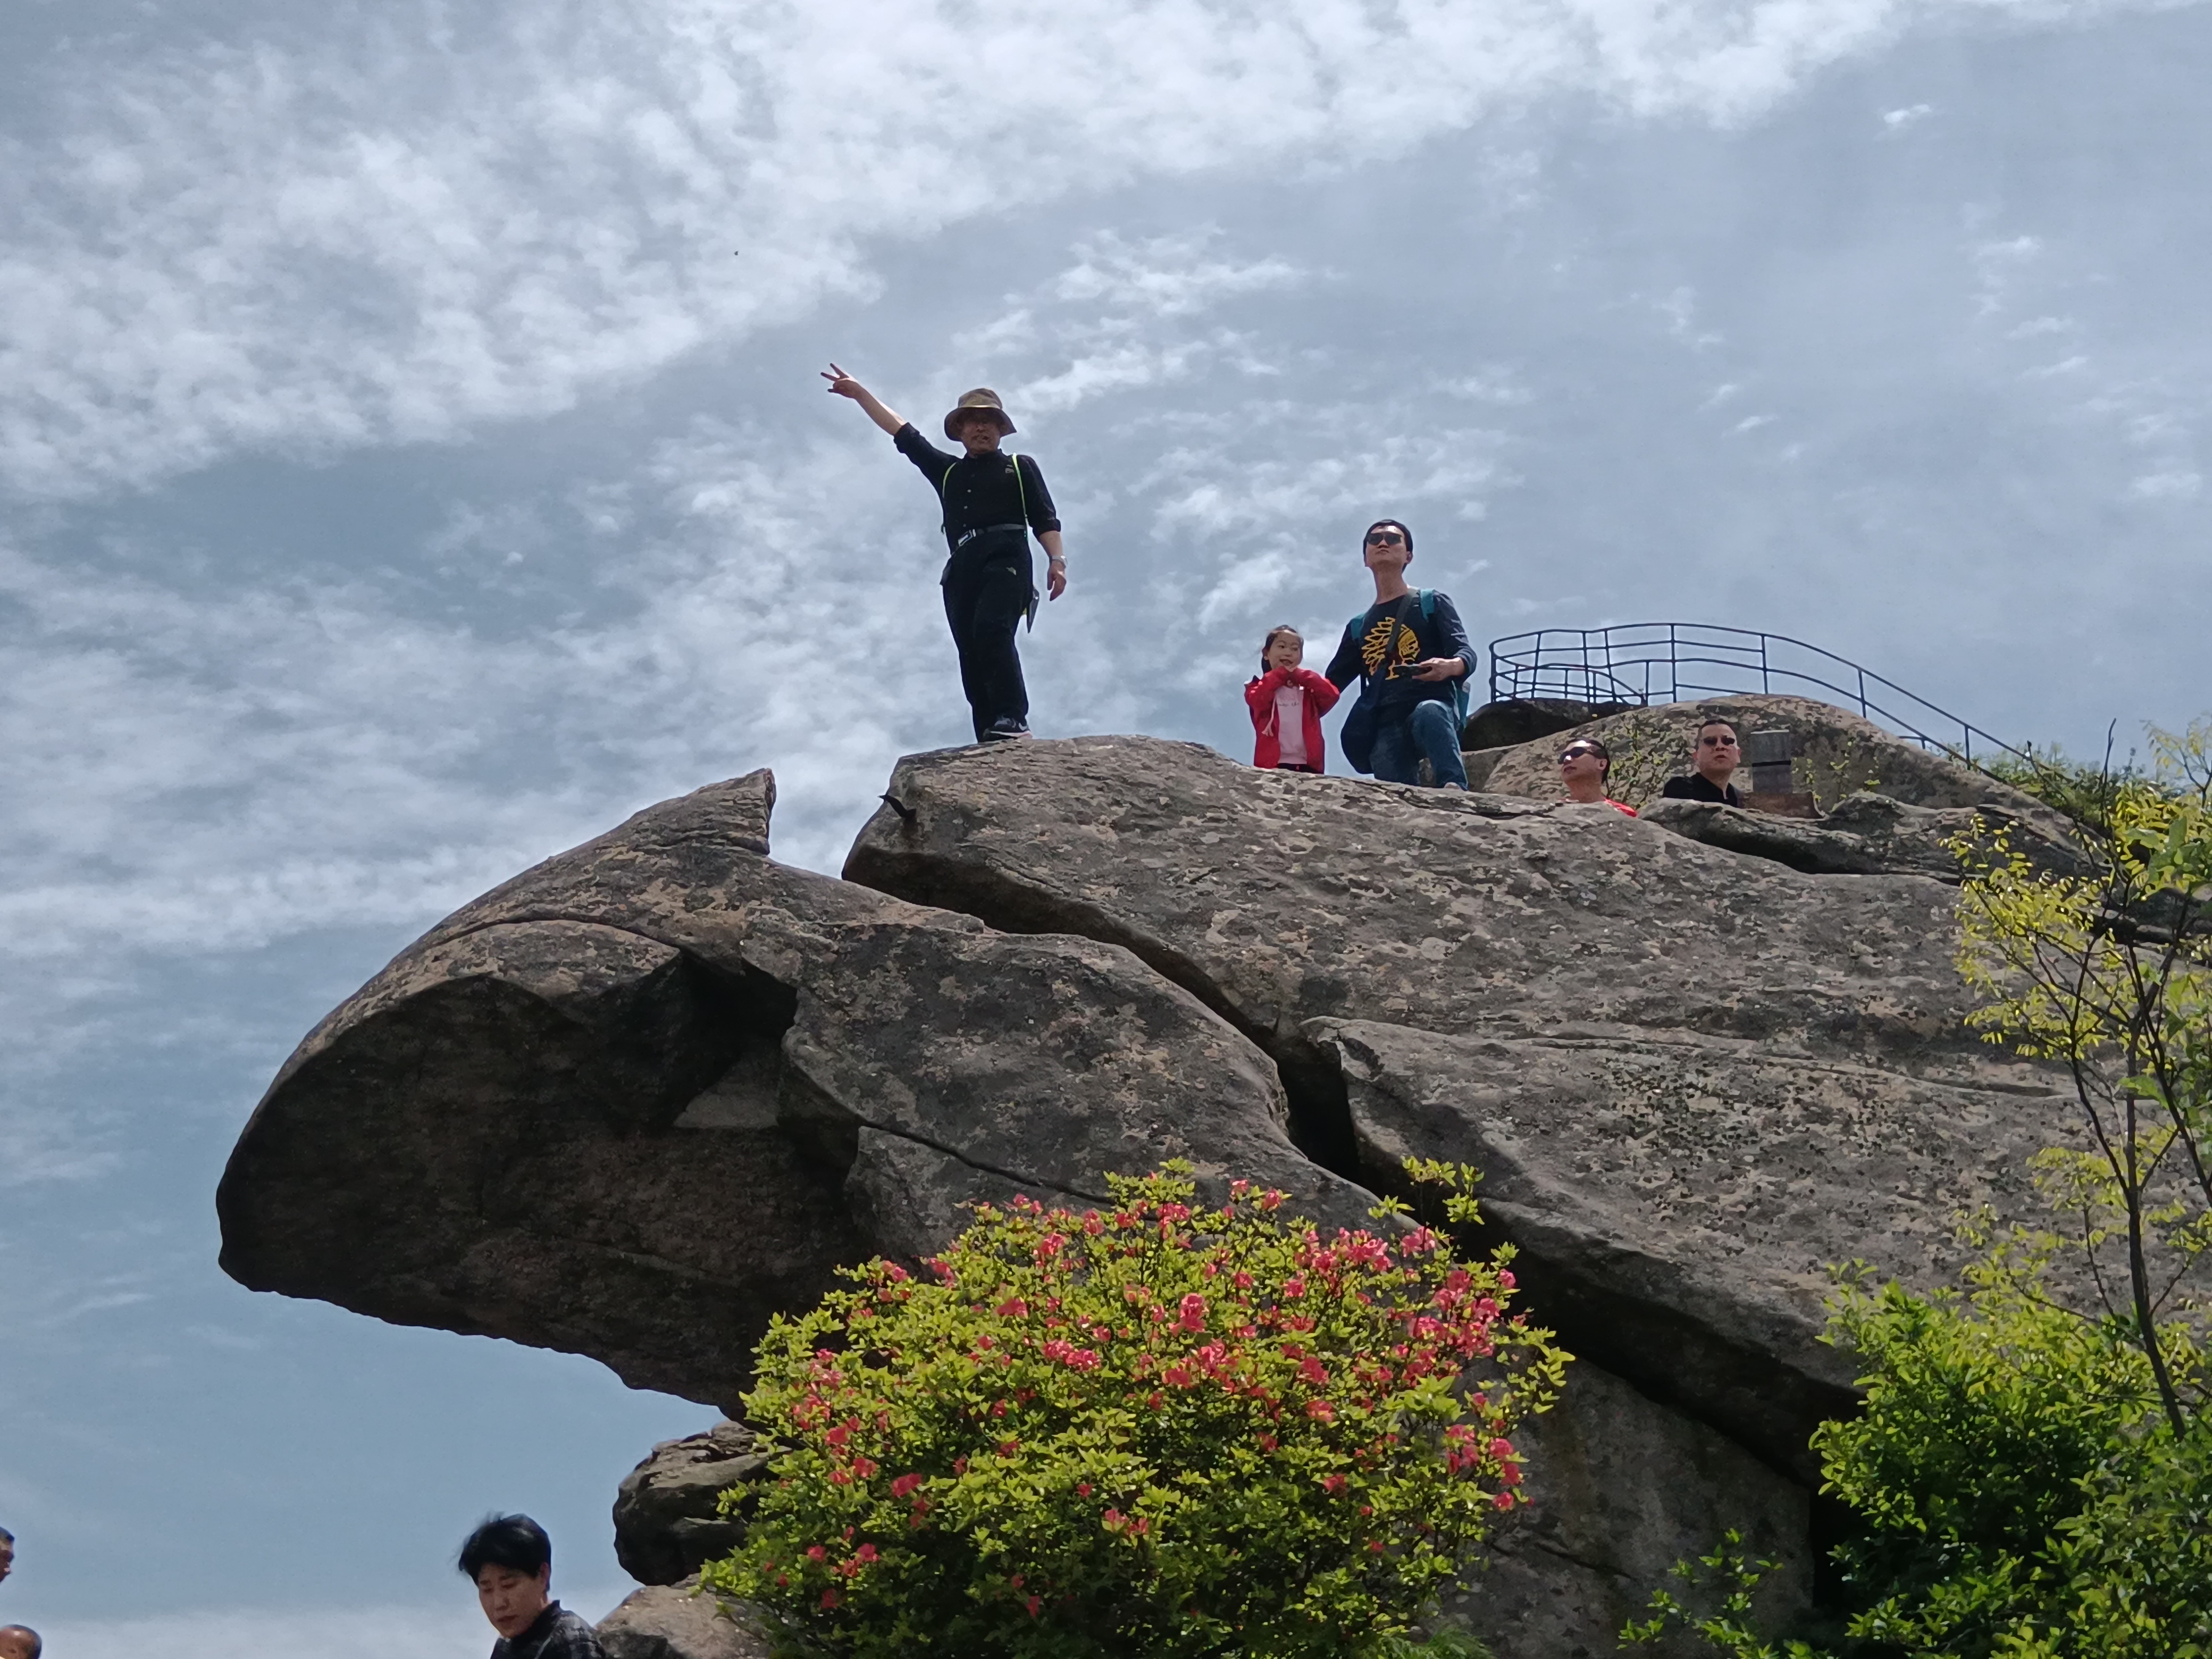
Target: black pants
pixel 988 585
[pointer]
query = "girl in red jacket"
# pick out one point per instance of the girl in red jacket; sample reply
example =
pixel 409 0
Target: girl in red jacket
pixel 1287 701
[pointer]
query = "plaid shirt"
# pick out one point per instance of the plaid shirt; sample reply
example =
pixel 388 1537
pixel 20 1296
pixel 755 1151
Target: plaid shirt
pixel 555 1633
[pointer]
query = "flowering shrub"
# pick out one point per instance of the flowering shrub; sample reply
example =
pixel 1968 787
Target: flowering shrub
pixel 1158 1429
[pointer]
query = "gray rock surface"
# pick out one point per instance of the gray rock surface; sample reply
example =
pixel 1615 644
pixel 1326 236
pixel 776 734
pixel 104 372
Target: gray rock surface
pixel 1695 1077
pixel 668 1514
pixel 673 1621
pixel 1866 835
pixel 1623 1489
pixel 617 1105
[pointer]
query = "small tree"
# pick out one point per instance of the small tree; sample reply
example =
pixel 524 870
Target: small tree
pixel 2110 973
pixel 1155 1428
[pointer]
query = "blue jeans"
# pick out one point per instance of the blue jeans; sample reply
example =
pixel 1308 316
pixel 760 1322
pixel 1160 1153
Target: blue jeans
pixel 1427 732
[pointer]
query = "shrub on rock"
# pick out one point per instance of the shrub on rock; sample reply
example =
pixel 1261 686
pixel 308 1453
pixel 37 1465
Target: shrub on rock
pixel 1156 1428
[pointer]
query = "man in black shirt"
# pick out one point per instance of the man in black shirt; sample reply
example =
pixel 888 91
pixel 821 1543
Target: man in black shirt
pixel 1715 756
pixel 1410 653
pixel 991 500
pixel 510 1560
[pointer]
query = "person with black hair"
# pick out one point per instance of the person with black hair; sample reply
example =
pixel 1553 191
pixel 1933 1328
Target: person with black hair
pixel 1585 770
pixel 1410 653
pixel 991 500
pixel 510 1560
pixel 7 1552
pixel 1718 753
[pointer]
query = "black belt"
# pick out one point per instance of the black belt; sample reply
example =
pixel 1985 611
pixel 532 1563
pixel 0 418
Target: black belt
pixel 967 536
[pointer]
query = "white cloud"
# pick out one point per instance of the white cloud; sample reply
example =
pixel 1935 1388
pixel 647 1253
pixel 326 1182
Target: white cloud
pixel 1897 120
pixel 365 232
pixel 2174 486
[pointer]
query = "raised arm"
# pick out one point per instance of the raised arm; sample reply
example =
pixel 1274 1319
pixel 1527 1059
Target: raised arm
pixel 842 384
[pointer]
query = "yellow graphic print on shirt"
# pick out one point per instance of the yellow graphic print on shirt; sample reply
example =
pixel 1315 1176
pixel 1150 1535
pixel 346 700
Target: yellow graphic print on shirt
pixel 1375 648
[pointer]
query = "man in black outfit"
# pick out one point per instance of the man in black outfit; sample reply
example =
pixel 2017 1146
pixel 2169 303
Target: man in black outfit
pixel 510 1560
pixel 1716 755
pixel 992 500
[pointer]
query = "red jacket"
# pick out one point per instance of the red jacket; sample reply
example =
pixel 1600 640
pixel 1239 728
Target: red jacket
pixel 1260 698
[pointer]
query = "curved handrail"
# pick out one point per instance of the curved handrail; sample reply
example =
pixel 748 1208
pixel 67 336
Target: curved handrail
pixel 1643 663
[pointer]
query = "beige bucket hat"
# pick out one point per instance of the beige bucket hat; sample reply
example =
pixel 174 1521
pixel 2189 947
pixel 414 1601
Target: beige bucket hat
pixel 981 398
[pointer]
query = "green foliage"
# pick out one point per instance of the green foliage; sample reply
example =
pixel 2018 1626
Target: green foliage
pixel 1726 1579
pixel 2082 792
pixel 2109 973
pixel 1159 1429
pixel 2016 1491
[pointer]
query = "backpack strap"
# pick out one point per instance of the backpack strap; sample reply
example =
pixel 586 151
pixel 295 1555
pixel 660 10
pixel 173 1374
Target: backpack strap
pixel 1021 489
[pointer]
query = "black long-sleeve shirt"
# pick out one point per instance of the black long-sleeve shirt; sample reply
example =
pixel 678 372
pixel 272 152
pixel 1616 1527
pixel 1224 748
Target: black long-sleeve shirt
pixel 978 491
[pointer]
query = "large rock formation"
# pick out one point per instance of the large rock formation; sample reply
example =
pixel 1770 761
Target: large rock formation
pixel 1692 1077
pixel 641 1097
pixel 668 1511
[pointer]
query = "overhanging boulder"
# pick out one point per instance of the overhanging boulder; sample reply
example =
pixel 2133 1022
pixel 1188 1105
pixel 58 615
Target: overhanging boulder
pixel 641 1097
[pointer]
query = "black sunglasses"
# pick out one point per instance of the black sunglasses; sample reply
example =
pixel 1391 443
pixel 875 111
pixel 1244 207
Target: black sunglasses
pixel 1575 753
pixel 1384 538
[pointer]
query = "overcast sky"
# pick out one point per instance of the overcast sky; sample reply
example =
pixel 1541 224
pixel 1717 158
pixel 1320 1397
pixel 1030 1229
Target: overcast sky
pixel 411 462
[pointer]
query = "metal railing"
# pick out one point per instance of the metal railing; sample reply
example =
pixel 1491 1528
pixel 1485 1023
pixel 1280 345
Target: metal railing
pixel 1645 663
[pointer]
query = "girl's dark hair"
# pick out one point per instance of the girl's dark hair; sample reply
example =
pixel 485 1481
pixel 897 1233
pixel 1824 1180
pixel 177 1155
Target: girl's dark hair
pixel 513 1541
pixel 1274 634
pixel 1398 525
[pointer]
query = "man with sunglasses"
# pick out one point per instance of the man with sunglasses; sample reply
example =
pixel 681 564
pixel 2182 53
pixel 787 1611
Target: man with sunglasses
pixel 1410 654
pixel 1585 766
pixel 1715 756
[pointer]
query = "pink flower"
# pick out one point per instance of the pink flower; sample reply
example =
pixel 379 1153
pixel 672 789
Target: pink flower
pixel 1313 1370
pixel 1083 1490
pixel 1321 1411
pixel 1295 1285
pixel 1333 1484
pixel 1502 1501
pixel 817 1554
pixel 1033 1604
pixel 1193 1312
pixel 829 1599
pixel 865 1554
pixel 1013 1308
pixel 1501 1449
pixel 905 1484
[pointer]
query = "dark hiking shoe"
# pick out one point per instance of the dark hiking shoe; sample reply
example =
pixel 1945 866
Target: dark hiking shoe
pixel 1005 729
